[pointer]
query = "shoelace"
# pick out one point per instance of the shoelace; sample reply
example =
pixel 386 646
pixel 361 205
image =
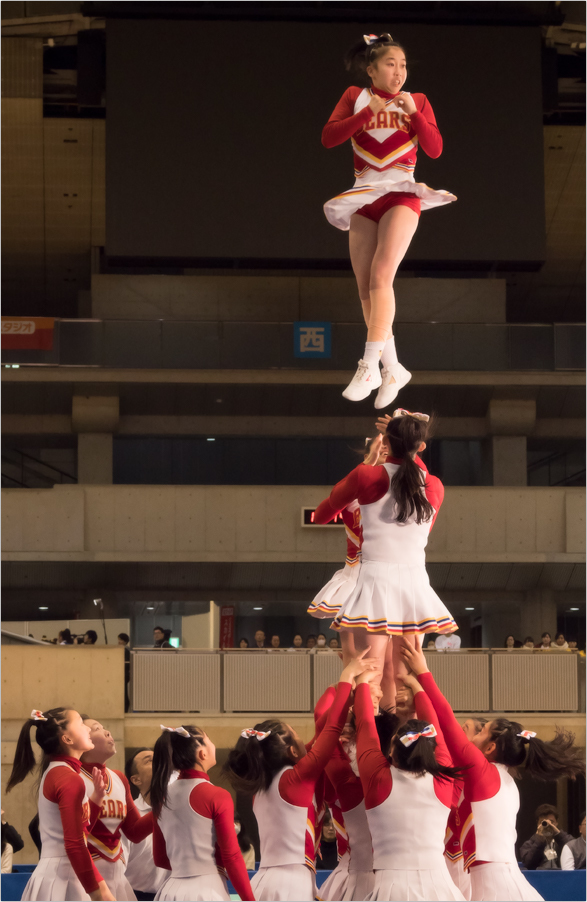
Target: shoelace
pixel 362 370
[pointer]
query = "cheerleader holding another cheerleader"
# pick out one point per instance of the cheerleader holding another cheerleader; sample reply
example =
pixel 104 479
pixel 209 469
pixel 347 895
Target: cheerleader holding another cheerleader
pixel 488 760
pixel 386 125
pixel 194 835
pixel 65 870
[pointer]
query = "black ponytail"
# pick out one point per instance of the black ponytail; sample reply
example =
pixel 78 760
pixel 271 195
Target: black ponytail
pixel 542 760
pixel 419 758
pixel 48 737
pixel 362 55
pixel 405 433
pixel 386 724
pixel 172 752
pixel 252 763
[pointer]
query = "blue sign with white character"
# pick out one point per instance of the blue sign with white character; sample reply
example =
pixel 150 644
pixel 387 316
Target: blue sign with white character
pixel 312 340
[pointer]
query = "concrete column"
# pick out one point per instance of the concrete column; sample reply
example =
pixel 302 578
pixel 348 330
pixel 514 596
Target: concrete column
pixel 538 614
pixel 95 415
pixel 202 630
pixel 94 458
pixel 509 422
pixel 509 460
pixel 499 620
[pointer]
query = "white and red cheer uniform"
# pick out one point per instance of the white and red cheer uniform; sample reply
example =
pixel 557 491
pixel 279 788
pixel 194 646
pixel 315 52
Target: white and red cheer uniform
pixel 286 816
pixel 327 602
pixel 118 813
pixel 333 886
pixel 460 815
pixel 195 839
pixel 407 813
pixel 393 593
pixel 65 870
pixel 141 871
pixel 385 146
pixel 488 836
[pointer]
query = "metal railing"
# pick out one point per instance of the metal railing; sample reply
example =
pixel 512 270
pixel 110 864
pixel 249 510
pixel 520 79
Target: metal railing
pixel 265 680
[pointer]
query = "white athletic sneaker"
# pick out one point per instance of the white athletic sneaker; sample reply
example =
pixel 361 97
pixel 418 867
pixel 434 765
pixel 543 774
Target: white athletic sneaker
pixel 367 378
pixel 393 378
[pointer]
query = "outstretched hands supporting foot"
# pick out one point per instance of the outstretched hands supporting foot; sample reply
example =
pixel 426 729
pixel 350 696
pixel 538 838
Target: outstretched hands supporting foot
pixel 361 666
pixel 414 658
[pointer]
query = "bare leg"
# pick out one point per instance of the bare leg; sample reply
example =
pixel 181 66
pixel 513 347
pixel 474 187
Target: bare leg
pixel 378 643
pixel 398 664
pixel 362 246
pixel 347 642
pixel 395 232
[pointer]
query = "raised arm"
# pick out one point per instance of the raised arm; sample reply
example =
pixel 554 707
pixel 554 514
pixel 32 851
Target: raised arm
pixel 348 786
pixel 134 826
pixel 373 765
pixel 343 493
pixel 344 122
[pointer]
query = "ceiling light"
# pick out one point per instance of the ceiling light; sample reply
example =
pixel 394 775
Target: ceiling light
pixel 257 609
pixel 210 439
pixel 42 608
pixel 469 609
pixel 150 609
pixel 574 609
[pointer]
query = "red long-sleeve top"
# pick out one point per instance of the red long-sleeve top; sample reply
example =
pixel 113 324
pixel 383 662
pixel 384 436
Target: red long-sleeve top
pixel 374 767
pixel 214 803
pixel 133 824
pixel 67 790
pixel 369 484
pixel 344 124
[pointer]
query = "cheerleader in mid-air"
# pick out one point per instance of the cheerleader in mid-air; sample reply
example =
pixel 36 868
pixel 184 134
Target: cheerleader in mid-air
pixel 272 763
pixel 65 869
pixel 386 125
pixel 488 759
pixel 399 502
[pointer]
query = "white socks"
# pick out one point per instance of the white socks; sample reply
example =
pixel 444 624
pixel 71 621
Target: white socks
pixel 373 351
pixel 389 353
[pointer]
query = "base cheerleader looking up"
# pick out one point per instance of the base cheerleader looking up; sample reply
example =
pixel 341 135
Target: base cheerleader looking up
pixel 488 760
pixel 194 835
pixel 65 869
pixel 386 125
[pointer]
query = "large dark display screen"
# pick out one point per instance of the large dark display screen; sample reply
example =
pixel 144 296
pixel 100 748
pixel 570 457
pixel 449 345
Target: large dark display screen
pixel 214 151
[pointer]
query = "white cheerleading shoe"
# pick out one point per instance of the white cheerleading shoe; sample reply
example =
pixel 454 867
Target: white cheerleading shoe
pixel 393 379
pixel 365 380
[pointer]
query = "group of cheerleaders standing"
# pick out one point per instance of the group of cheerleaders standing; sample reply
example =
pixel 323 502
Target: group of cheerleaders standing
pixel 424 808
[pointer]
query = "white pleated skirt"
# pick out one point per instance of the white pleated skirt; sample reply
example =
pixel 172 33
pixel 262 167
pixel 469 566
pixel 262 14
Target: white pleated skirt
pixel 414 886
pixel 360 884
pixel 375 184
pixel 336 592
pixel 334 887
pixel 396 599
pixel 497 881
pixel 206 888
pixel 284 883
pixel 459 876
pixel 54 879
pixel 114 874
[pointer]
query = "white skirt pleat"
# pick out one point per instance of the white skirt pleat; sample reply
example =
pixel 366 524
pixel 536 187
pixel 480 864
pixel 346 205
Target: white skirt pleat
pixel 394 598
pixel 360 884
pixel 206 888
pixel 335 593
pixel 284 883
pixel 414 886
pixel 459 876
pixel 114 874
pixel 497 881
pixel 334 887
pixel 54 879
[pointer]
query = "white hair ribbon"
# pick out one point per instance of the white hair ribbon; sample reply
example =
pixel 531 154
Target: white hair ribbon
pixel 428 732
pixel 37 715
pixel 181 731
pixel 400 412
pixel 248 734
pixel 373 38
pixel 526 734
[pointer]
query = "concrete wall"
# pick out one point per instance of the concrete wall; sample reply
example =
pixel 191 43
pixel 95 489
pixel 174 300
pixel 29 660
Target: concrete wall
pixel 263 523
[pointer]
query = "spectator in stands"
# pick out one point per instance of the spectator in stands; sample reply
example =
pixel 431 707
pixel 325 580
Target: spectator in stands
pixel 546 642
pixel 64 637
pixel 573 854
pixel 311 641
pixel 161 638
pixel 512 642
pixel 560 641
pixel 431 644
pixel 528 642
pixel 246 846
pixel 333 644
pixel 572 645
pixel 451 642
pixel 90 637
pixel 542 851
pixel 276 642
pixel 260 639
pixel 321 640
pixel 244 643
pixel 124 639
pixel 298 641
pixel 328 857
pixel 11 844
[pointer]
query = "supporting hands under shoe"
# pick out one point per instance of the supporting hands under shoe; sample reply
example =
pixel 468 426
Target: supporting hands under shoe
pixel 359 665
pixel 413 658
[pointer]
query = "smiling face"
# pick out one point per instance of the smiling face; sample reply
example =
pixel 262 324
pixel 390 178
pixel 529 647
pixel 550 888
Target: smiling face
pixel 104 745
pixel 389 72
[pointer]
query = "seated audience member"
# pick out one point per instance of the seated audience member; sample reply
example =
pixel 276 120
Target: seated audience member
pixel 11 844
pixel 512 642
pixel 64 637
pixel 431 645
pixel 259 639
pixel 297 642
pixel 333 644
pixel 572 645
pixel 311 641
pixel 276 643
pixel 244 643
pixel 542 851
pixel 573 854
pixel 327 858
pixel 90 637
pixel 448 642
pixel 320 640
pixel 546 642
pixel 246 846
pixel 528 642
pixel 560 642
pixel 160 638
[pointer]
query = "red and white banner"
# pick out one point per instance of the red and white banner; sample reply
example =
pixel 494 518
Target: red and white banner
pixel 34 333
pixel 227 626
